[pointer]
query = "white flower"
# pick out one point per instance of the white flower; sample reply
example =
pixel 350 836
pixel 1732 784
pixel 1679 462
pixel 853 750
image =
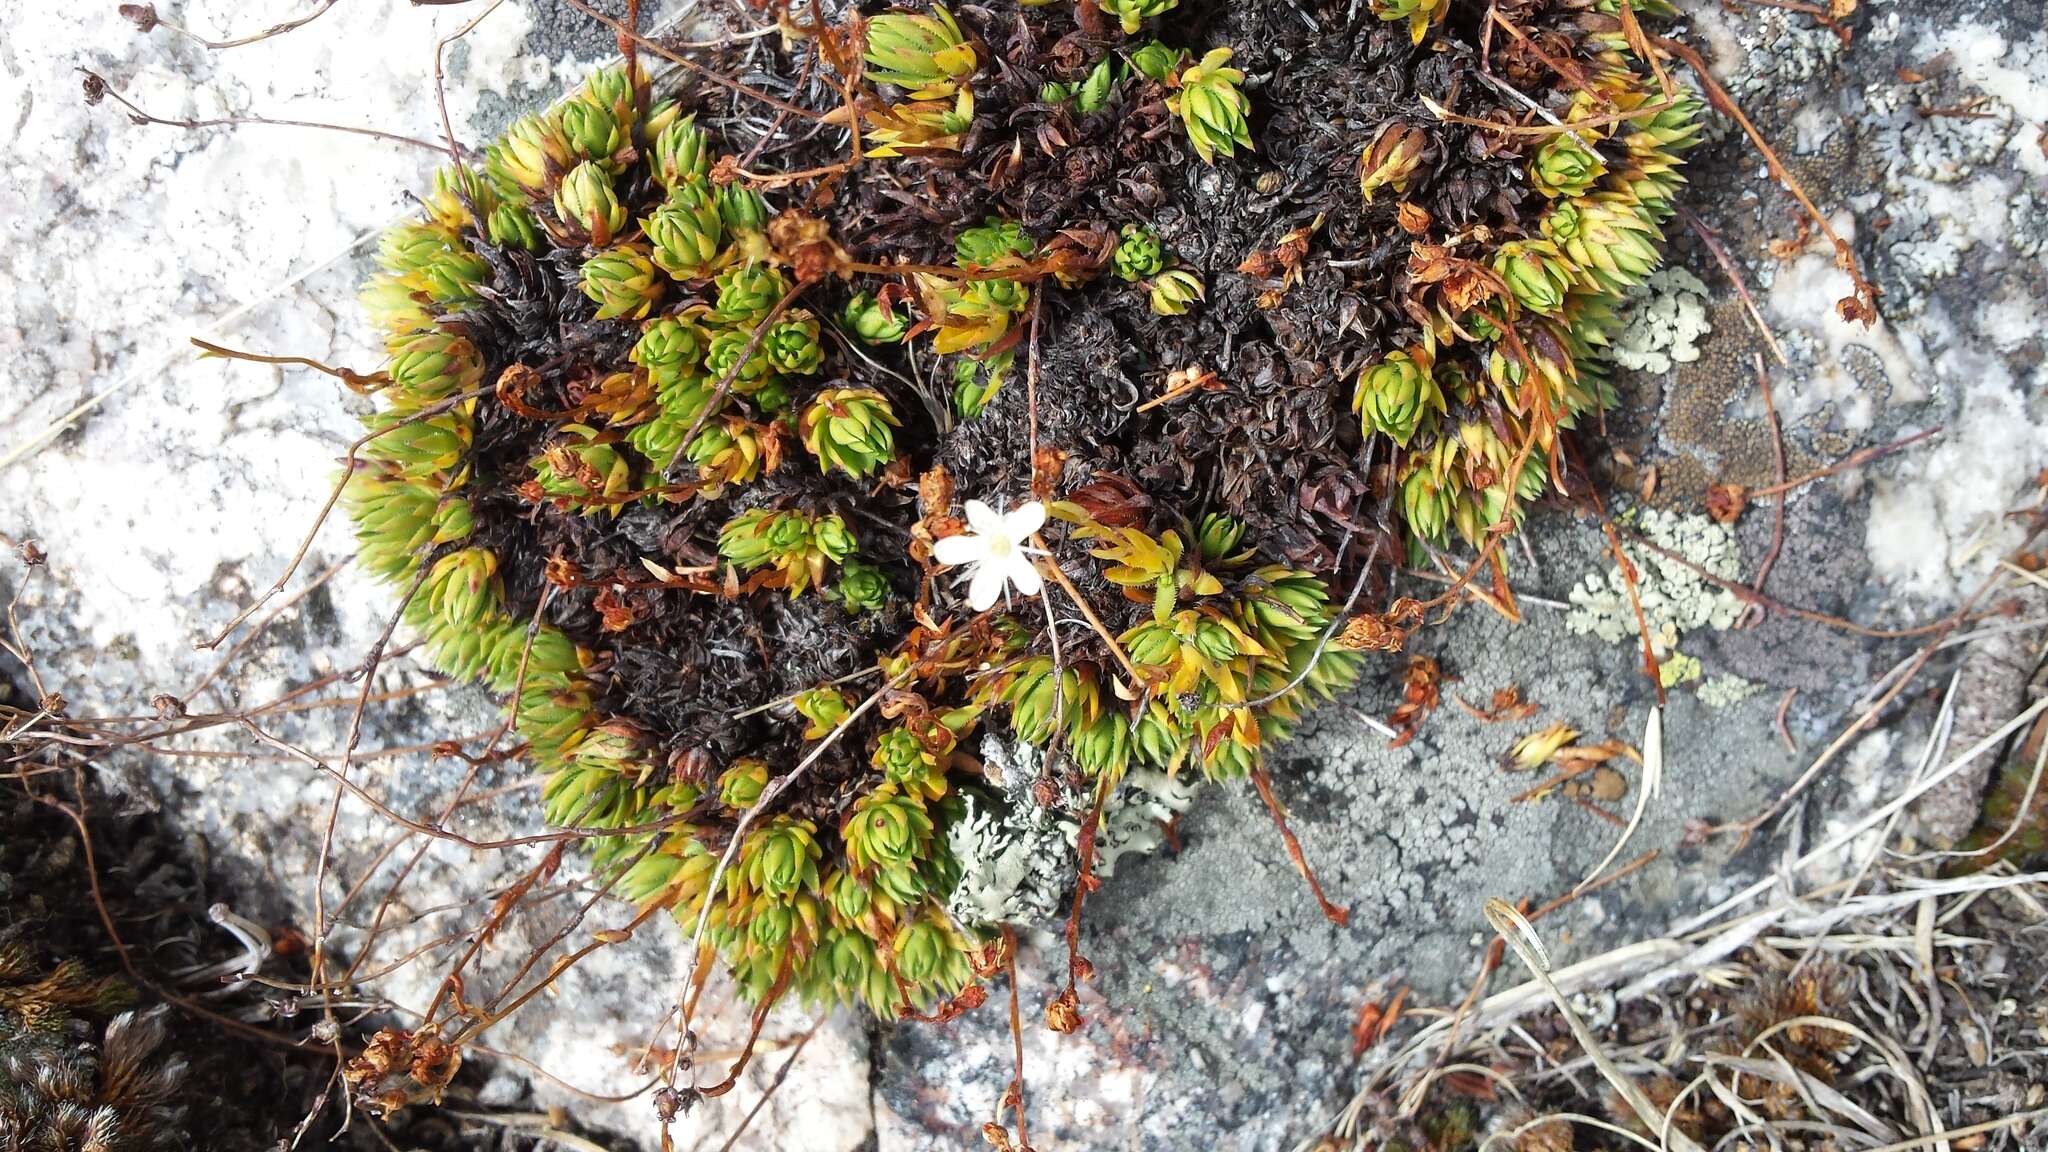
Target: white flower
pixel 994 552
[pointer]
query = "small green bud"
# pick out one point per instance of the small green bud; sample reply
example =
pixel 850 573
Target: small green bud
pixel 413 246
pixel 1213 107
pixel 586 206
pixel 670 348
pixel 1395 396
pixel 1215 642
pixel 901 756
pixel 461 589
pixel 1564 167
pixel 1095 88
pixel 770 395
pixel 975 383
pixel 682 153
pixel 1139 253
pixel 452 279
pixel 886 828
pixel 748 292
pixel 927 954
pixel 658 440
pixel 1129 13
pixel 1535 272
pixel 1218 538
pixel 534 155
pixel 1054 92
pixel 395 517
pixel 832 538
pixel 1283 607
pixel 615 91
pixel 513 226
pixel 863 587
pixel 782 860
pixel 726 452
pixel 1152 645
pixel 1612 243
pixel 1426 504
pixel 724 354
pixel 1158 61
pixel 1103 748
pixel 741 784
pixel 394 304
pixel 622 282
pixel 849 428
pixel 593 133
pixel 825 708
pixel 420 448
pixel 742 208
pixel 431 365
pixel 872 323
pixel 991 241
pixel 462 195
pixel 791 343
pixel 686 239
pixel 998 295
pixel 1157 737
pixel 926 55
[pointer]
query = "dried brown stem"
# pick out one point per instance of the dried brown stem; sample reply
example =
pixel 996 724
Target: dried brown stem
pixel 145 17
pixel 1754 614
pixel 1861 305
pixel 1728 268
pixel 97 88
pixel 356 381
pixel 1854 459
pixel 440 83
pixel 1331 912
pixel 628 36
pixel 334 497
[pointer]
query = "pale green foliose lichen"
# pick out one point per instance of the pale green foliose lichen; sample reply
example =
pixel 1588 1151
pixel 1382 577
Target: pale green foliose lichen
pixel 1017 857
pixel 1727 690
pixel 1675 599
pixel 1662 320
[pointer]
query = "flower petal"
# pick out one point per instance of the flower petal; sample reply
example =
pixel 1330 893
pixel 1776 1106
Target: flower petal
pixel 953 551
pixel 1020 522
pixel 985 520
pixel 986 587
pixel 1024 574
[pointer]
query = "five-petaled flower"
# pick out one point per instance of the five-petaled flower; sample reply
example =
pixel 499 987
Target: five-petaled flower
pixel 994 552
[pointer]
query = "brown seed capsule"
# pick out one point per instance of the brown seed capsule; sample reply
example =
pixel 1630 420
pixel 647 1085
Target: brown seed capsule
pixel 1392 158
pixel 1063 1012
pixel 1725 502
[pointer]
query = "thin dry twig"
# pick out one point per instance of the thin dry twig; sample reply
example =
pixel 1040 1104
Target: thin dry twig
pixel 1755 614
pixel 1331 912
pixel 1728 268
pixel 97 89
pixel 1861 304
pixel 146 18
pixel 1855 459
